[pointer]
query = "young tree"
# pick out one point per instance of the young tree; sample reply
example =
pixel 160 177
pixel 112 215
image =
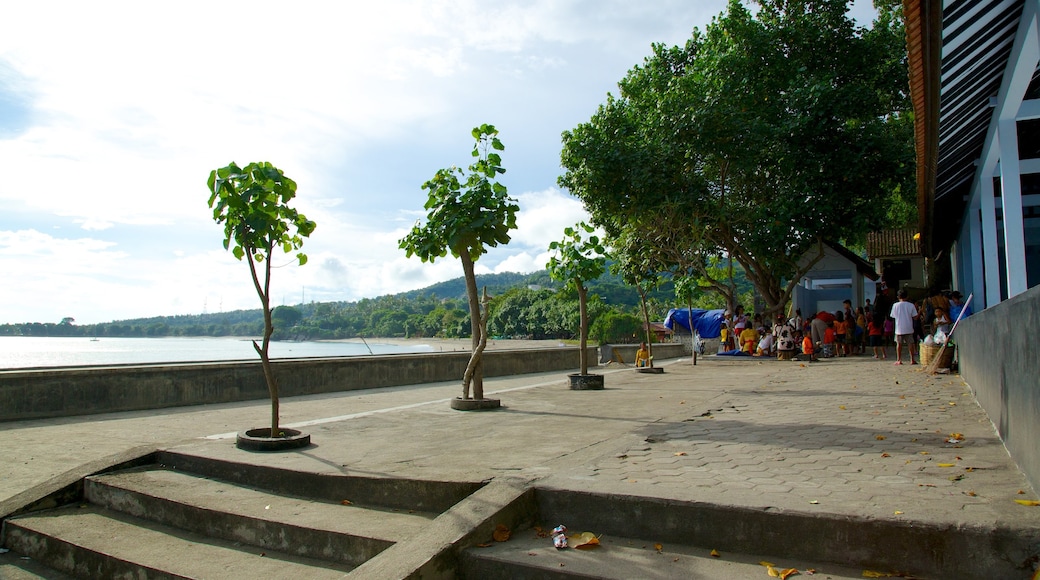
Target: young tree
pixel 466 213
pixel 575 260
pixel 253 205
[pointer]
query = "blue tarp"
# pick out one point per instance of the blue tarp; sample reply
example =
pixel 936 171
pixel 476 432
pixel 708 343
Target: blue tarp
pixel 707 322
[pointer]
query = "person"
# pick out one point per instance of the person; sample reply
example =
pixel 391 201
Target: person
pixel 818 330
pixel 740 320
pixel 748 340
pixel 861 331
pixel 840 333
pixel 957 306
pixel 875 329
pixel 765 345
pixel 642 356
pixel 798 322
pixel 726 338
pixel 936 301
pixel 829 339
pixel 807 348
pixel 904 313
pixel 941 322
pixel 918 324
pixel 888 328
pixel 785 333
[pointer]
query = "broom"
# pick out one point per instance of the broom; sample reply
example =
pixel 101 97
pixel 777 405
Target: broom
pixel 934 365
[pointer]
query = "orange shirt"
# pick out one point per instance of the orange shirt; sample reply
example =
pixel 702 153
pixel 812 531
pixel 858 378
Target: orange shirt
pixel 807 346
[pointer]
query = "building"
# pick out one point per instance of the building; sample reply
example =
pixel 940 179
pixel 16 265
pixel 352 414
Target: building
pixel 975 86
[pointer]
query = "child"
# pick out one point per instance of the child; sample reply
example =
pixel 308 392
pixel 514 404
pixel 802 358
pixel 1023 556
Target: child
pixel 942 321
pixel 875 330
pixel 807 348
pixel 829 341
pixel 642 356
pixel 888 330
pixel 840 332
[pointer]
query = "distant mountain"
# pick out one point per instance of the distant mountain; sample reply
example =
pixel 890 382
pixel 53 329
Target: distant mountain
pixel 496 284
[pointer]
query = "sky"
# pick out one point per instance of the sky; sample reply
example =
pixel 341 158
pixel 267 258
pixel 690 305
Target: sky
pixel 113 114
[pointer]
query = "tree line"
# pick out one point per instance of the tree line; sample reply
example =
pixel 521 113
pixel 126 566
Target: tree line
pixel 524 306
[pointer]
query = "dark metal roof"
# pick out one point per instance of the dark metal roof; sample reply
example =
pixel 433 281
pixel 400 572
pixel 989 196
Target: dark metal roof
pixel 976 39
pixel 891 243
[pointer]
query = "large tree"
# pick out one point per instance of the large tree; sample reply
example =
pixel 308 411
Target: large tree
pixel 464 217
pixel 762 136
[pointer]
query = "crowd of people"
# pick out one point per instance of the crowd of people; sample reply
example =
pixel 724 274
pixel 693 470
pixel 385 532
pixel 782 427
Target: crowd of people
pixel 897 324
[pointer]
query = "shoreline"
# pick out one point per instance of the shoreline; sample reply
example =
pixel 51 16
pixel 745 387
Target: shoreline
pixel 455 344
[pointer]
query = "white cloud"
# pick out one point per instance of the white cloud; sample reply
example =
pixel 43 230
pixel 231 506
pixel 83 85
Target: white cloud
pixel 130 105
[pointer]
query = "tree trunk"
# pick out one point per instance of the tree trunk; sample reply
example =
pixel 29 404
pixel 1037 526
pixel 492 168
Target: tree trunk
pixel 646 324
pixel 264 291
pixel 477 376
pixel 583 326
pixel 478 350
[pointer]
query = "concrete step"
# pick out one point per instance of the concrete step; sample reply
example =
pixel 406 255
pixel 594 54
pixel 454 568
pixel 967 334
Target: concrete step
pixel 789 538
pixel 18 567
pixel 530 556
pixel 93 542
pixel 341 533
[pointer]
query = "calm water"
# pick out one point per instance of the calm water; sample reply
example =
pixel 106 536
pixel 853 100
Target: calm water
pixel 18 352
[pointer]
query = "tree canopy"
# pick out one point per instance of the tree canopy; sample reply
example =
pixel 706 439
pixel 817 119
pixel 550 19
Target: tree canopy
pixel 763 135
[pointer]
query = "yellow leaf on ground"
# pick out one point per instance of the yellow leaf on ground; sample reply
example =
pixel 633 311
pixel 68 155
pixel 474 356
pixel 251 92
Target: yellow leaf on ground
pixel 715 554
pixel 842 407
pixel 501 533
pixel 346 502
pixel 658 547
pixel 680 453
pixel 584 540
pixel 1028 502
pixel 873 574
pixel 879 437
pixel 947 464
pixel 784 574
pixel 885 455
pixel 766 564
pixel 773 571
pixel 899 513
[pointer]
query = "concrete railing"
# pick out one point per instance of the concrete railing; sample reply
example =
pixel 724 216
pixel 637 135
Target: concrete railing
pixel 998 357
pixel 41 393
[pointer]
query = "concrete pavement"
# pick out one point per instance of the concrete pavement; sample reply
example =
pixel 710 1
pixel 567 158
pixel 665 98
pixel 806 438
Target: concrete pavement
pixel 851 436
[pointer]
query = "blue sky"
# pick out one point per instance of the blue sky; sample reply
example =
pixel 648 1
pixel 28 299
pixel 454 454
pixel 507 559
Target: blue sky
pixel 112 115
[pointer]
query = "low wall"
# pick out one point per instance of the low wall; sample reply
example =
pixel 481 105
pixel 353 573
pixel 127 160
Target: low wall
pixel 36 394
pixel 997 350
pixel 628 351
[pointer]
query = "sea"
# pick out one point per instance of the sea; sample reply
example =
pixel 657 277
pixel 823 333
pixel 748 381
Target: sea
pixel 25 352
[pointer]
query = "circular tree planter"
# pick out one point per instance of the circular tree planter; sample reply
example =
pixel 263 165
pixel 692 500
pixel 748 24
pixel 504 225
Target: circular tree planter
pixel 460 404
pixel 651 370
pixel 580 382
pixel 261 440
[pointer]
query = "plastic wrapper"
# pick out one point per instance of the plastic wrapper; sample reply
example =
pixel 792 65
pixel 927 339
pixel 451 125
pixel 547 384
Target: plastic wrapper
pixel 559 537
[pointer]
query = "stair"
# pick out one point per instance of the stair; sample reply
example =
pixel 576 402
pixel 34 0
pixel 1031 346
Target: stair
pixel 531 555
pixel 645 537
pixel 221 520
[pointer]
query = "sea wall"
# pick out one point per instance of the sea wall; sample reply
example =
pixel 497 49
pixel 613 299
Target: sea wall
pixel 997 353
pixel 36 394
pixel 626 353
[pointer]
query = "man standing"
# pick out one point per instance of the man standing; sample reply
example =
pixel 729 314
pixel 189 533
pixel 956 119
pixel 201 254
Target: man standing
pixel 957 305
pixel 904 312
